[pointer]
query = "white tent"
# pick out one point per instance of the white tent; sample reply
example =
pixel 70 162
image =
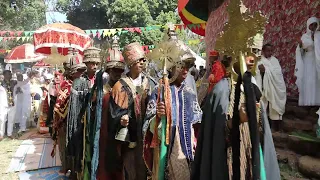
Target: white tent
pixel 199 60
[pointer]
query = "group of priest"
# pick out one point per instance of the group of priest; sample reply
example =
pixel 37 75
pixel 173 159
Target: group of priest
pixel 130 125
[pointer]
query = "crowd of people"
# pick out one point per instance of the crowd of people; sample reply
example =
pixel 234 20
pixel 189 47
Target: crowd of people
pixel 123 122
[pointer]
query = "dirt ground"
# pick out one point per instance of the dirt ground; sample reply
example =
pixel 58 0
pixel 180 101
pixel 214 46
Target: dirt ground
pixel 8 148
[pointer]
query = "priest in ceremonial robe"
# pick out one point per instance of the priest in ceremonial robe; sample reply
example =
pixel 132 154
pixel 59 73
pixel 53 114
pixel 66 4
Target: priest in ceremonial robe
pixel 110 164
pixel 271 83
pixel 127 108
pixel 74 71
pixel 81 117
pixel 182 119
pixel 225 152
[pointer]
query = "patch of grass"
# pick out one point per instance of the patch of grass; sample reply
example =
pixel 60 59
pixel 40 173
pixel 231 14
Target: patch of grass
pixel 287 173
pixel 305 136
pixel 8 148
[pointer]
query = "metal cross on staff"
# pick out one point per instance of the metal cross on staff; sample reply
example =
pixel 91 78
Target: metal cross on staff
pixel 165 55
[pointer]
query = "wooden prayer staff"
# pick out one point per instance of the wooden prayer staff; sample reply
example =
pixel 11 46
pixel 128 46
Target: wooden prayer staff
pixel 164 98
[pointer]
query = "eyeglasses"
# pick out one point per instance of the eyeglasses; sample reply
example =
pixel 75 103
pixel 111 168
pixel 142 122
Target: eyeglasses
pixel 142 59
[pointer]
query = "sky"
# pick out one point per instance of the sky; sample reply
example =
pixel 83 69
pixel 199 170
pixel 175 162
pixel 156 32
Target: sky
pixel 53 16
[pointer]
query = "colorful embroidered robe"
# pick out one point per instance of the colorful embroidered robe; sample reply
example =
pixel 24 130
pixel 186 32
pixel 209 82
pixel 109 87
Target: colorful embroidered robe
pixel 127 99
pixel 186 113
pixel 110 164
pixel 59 122
pixel 83 127
pixel 44 109
pixel 92 126
pixel 61 106
pixel 76 123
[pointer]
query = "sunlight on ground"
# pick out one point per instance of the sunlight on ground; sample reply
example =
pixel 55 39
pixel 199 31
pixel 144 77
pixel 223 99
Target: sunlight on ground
pixel 8 148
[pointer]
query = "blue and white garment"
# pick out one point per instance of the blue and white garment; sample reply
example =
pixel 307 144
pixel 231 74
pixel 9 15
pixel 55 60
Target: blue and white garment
pixel 185 113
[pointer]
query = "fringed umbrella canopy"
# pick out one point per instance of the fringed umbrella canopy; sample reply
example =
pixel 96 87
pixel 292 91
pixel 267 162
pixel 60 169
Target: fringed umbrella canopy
pixel 41 64
pixel 62 36
pixel 23 53
pixel 195 13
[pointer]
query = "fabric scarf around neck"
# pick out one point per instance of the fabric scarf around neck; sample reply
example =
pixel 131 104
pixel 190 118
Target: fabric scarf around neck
pixel 218 72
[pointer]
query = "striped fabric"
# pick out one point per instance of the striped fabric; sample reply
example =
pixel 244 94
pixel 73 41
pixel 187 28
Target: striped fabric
pixel 44 174
pixel 34 154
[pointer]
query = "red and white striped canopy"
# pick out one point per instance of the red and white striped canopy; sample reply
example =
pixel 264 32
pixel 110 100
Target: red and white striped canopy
pixel 23 53
pixel 62 36
pixel 41 64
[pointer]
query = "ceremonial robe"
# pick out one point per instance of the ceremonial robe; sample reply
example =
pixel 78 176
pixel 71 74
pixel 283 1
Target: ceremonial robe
pixel 110 163
pixel 75 125
pixel 185 114
pixel 129 98
pixel 210 161
pixel 59 121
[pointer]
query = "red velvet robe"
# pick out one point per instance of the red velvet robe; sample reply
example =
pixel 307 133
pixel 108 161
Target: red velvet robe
pixel 108 148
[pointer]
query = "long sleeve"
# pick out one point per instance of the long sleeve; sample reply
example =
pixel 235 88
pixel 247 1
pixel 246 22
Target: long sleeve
pixel 3 100
pixel 151 112
pixel 317 51
pixel 118 106
pixel 298 70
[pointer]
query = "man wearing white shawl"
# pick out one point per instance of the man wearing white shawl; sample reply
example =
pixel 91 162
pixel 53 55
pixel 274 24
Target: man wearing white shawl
pixel 271 83
pixel 307 69
pixel 3 110
pixel 22 95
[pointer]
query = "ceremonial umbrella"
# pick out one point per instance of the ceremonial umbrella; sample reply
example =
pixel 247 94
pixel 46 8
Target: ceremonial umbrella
pixel 23 53
pixel 62 36
pixel 41 64
pixel 194 13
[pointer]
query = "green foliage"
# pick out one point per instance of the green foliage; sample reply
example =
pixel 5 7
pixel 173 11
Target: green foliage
pixel 135 12
pixel 29 16
pixel 92 14
pixel 158 6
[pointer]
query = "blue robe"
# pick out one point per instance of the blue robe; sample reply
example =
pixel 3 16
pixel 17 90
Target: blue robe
pixel 185 113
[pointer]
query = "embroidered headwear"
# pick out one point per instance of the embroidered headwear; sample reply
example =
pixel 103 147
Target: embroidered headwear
pixel 132 53
pixel 213 53
pixel 76 63
pixel 92 54
pixel 186 58
pixel 115 58
pixel 66 64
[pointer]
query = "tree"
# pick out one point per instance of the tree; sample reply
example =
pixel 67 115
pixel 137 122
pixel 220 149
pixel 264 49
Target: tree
pixel 27 16
pixel 91 14
pixel 158 6
pixel 134 13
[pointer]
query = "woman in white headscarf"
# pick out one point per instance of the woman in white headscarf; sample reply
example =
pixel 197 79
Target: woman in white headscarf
pixel 307 68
